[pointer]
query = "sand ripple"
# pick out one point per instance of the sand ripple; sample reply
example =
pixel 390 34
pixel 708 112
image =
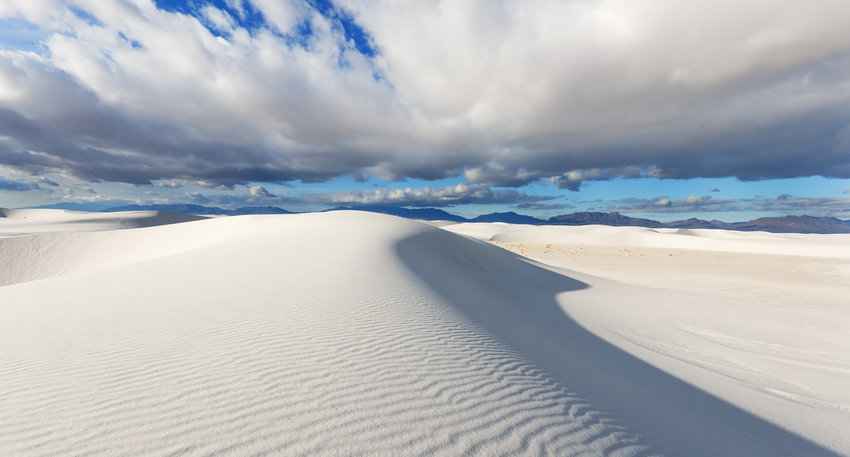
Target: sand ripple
pixel 284 340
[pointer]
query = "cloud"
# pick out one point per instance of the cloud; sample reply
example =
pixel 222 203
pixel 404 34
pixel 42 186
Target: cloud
pixel 218 19
pixel 783 204
pixel 504 94
pixel 426 197
pixel 85 194
pixel 239 196
pixel 693 203
pixel 714 189
pixel 197 198
pixel 17 186
pixel 544 206
pixel 260 192
pixel 47 182
pixel 168 184
pixel 385 196
pixel 573 179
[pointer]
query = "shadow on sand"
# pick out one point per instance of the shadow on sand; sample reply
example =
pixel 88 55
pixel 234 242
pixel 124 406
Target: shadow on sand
pixel 514 300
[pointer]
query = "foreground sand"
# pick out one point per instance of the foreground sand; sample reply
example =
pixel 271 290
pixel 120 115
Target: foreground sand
pixel 359 334
pixel 770 312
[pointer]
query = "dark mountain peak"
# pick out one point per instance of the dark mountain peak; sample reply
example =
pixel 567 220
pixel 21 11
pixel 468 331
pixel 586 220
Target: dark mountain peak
pixel 613 218
pixel 693 223
pixel 509 217
pixel 795 224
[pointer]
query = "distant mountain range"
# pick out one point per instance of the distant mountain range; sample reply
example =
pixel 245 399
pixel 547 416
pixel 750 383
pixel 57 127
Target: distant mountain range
pixel 784 224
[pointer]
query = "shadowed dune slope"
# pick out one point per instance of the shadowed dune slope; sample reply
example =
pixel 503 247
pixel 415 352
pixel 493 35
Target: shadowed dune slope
pixel 339 333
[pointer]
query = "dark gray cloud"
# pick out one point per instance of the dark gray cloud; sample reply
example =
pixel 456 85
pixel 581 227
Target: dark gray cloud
pixel 573 179
pixel 604 92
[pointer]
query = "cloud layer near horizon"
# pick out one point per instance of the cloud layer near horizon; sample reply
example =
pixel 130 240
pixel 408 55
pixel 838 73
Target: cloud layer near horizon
pixel 695 204
pixel 503 92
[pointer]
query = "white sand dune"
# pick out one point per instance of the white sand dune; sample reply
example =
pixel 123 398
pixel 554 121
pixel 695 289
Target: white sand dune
pixel 812 245
pixel 17 222
pixel 767 311
pixel 352 333
pixel 57 247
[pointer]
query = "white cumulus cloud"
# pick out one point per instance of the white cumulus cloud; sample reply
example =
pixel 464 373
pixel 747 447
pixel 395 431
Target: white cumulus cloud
pixel 503 92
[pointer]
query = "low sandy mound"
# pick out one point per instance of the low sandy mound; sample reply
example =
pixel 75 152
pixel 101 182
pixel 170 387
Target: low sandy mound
pixel 339 333
pixel 815 245
pixel 46 243
pixel 16 222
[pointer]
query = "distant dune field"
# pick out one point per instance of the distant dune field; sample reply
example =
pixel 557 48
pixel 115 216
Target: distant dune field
pixel 352 333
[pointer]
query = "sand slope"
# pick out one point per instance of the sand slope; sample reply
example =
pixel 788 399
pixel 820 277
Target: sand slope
pixel 16 222
pixel 339 333
pixel 59 241
pixel 758 319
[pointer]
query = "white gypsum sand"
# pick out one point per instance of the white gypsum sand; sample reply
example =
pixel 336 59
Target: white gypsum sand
pixel 758 319
pixel 59 242
pixel 16 222
pixel 351 333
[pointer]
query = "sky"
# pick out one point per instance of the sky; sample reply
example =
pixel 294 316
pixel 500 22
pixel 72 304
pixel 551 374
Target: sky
pixel 712 109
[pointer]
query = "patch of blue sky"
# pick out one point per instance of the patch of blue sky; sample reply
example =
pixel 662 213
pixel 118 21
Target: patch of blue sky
pixel 351 30
pixel 20 35
pixel 604 195
pixel 251 19
pixel 135 44
pixel 469 211
pixel 811 186
pixel 186 6
pixel 86 16
pixel 543 187
pixel 716 187
pixel 248 17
